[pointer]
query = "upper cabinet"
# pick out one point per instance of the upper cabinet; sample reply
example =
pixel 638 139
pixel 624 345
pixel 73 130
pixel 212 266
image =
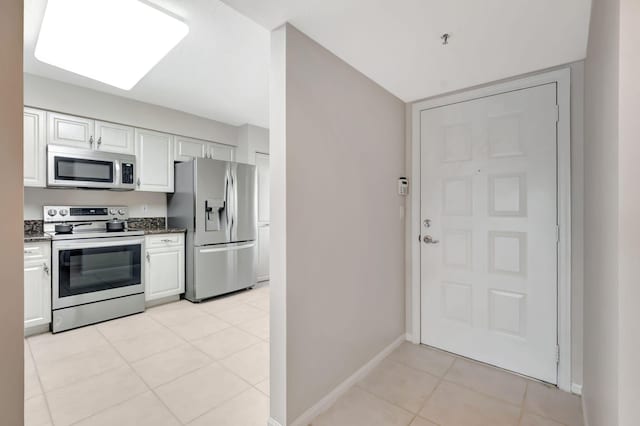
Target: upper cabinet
pixel 70 130
pixel 35 167
pixel 85 133
pixel 188 148
pixel 113 137
pixel 154 152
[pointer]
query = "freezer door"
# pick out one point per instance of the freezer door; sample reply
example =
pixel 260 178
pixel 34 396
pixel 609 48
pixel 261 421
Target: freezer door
pixel 223 269
pixel 213 201
pixel 245 209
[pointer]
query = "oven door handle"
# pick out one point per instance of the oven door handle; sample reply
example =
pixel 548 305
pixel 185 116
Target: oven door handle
pixel 97 243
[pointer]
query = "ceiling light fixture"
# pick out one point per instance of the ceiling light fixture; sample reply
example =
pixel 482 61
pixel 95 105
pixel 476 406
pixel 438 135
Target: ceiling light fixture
pixel 116 42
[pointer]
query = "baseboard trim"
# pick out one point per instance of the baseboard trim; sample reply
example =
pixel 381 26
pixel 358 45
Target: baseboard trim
pixel 576 388
pixel 272 422
pixel 328 400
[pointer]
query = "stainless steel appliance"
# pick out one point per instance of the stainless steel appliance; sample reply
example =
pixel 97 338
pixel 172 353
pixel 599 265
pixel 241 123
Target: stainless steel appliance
pixel 96 274
pixel 85 168
pixel 216 202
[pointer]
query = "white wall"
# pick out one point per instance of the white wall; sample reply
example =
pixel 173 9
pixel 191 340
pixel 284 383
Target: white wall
pixel 629 224
pixel 600 389
pixel 342 264
pixel 54 95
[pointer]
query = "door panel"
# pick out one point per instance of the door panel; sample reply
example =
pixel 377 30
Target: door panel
pixel 187 149
pixel 165 273
pixel 245 206
pixel 221 269
pixel 111 137
pixel 70 130
pixel 154 154
pixel 262 172
pixel 488 202
pixel 35 168
pixel 37 293
pixel 221 152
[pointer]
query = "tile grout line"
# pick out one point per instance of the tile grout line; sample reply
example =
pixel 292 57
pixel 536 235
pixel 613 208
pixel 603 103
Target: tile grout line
pixel 44 394
pixel 135 396
pixel 524 400
pixel 440 380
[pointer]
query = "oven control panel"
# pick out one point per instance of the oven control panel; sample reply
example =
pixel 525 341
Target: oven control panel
pixel 84 213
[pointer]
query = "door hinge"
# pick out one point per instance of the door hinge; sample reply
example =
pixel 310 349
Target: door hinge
pixel 557 113
pixel 557 354
pixel 558 234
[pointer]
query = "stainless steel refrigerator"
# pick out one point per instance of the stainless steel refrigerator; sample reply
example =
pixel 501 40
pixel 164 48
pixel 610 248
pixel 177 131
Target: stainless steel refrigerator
pixel 216 202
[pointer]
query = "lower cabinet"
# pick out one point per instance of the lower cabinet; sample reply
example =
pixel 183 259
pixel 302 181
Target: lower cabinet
pixel 37 284
pixel 164 268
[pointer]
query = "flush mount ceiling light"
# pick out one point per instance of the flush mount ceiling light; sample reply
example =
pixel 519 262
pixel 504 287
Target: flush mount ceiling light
pixel 116 42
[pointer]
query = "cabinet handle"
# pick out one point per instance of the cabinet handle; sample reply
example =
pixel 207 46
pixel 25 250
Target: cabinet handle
pixel 166 241
pixel 28 252
pixel 45 267
pixel 138 182
pixel 91 140
pixel 148 257
pixel 100 141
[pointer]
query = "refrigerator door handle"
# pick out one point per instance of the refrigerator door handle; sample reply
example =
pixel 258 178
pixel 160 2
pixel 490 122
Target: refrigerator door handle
pixel 229 248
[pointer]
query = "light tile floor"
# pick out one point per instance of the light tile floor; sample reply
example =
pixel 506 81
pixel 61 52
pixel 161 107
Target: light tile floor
pixel 208 364
pixel 179 363
pixel 420 386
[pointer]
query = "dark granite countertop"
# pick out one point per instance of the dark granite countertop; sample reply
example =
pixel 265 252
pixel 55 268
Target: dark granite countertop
pixel 34 237
pixel 152 231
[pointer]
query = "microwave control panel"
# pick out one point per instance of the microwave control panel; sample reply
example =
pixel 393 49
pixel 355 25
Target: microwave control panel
pixel 127 173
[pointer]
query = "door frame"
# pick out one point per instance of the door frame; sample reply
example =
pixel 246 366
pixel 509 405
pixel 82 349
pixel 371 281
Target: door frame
pixel 562 78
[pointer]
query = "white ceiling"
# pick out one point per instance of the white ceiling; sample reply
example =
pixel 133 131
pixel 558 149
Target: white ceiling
pixel 397 42
pixel 219 71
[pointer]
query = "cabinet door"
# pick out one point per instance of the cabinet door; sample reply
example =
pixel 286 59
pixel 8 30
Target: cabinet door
pixel 219 151
pixel 154 155
pixel 37 292
pixel 164 274
pixel 112 137
pixel 70 130
pixel 188 149
pixel 35 149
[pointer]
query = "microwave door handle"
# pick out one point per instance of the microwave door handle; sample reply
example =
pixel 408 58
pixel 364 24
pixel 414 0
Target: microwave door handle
pixel 117 179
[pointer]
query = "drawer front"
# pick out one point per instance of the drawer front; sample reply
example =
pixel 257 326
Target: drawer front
pixel 37 251
pixel 164 240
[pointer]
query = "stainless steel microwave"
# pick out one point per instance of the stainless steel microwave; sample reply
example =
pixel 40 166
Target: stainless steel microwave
pixel 85 168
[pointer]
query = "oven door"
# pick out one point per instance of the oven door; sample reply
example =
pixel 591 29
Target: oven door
pixel 91 270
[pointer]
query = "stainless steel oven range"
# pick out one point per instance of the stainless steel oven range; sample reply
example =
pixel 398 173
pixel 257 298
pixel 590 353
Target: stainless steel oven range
pixel 97 274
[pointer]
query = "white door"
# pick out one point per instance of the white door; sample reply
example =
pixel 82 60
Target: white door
pixel 70 130
pixel 154 158
pixel 113 137
pixel 262 172
pixel 35 168
pixel 188 148
pixel 488 203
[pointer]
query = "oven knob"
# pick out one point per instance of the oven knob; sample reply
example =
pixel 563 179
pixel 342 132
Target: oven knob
pixel 63 212
pixel 112 211
pixel 52 212
pixel 121 212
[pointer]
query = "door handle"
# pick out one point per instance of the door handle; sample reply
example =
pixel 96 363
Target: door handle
pixel 428 239
pixel 148 257
pixel 45 267
pixel 100 141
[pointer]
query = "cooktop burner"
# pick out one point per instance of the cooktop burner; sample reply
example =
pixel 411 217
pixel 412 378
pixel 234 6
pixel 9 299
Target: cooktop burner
pixel 92 218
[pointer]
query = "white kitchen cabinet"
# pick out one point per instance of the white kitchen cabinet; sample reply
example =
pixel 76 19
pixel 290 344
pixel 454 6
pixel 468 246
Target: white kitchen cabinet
pixel 37 284
pixel 188 148
pixel 154 158
pixel 35 148
pixel 262 171
pixel 220 151
pixel 70 130
pixel 164 271
pixel 111 137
